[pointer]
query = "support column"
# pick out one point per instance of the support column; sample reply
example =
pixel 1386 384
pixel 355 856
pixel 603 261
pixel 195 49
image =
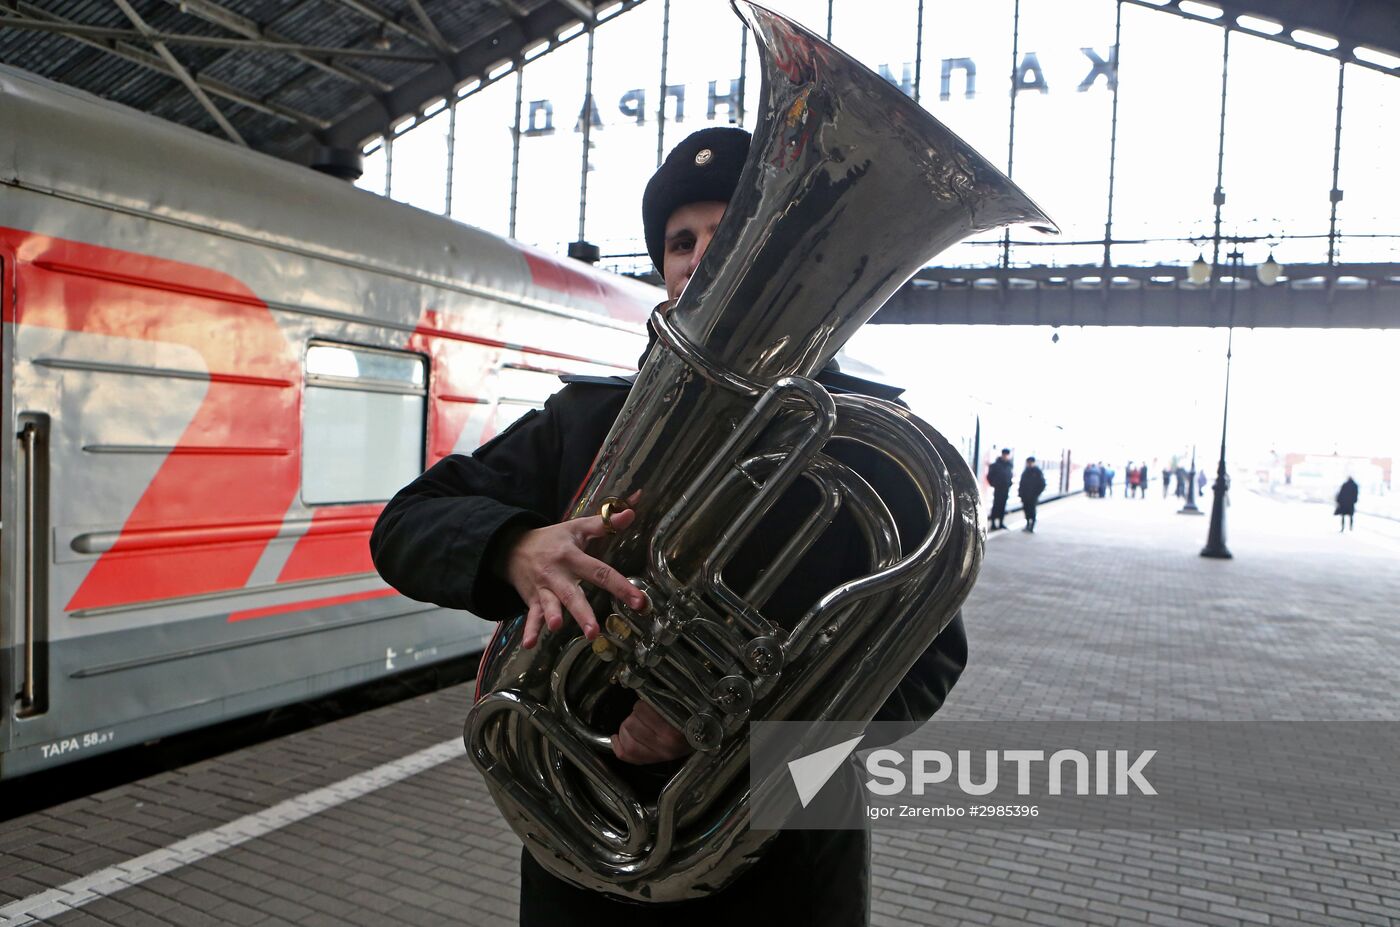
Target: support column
pixel 580 248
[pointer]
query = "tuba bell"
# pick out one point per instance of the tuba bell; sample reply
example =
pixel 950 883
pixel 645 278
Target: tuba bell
pixel 849 188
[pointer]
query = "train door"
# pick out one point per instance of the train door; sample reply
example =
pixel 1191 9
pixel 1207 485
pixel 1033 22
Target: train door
pixel 23 530
pixel 25 546
pixel 7 629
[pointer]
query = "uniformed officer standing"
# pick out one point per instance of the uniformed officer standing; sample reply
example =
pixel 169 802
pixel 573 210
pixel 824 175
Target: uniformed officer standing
pixel 481 533
pixel 1001 474
pixel 1032 485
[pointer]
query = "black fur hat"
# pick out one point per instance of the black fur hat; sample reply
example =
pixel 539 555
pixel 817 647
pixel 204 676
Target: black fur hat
pixel 704 167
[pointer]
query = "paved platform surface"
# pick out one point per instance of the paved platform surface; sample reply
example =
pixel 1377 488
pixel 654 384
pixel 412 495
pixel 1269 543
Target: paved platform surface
pixel 1106 612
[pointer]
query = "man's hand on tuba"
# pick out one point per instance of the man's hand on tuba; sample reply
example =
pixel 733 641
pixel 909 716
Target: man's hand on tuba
pixel 546 565
pixel 646 737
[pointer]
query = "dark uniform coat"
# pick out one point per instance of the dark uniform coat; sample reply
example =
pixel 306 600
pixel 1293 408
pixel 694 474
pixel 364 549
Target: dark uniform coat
pixel 1032 484
pixel 434 542
pixel 999 475
pixel 1346 498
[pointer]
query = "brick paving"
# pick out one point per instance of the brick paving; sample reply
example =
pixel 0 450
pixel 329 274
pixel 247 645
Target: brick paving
pixel 1106 613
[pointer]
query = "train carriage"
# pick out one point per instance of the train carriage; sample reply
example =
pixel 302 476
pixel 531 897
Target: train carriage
pixel 216 368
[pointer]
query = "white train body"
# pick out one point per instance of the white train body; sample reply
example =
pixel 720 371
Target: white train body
pixel 216 368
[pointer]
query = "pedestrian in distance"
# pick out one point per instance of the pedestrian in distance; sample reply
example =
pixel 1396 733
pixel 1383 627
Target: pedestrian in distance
pixel 1142 481
pixel 1001 474
pixel 1093 480
pixel 1134 481
pixel 1201 480
pixel 1032 485
pixel 1108 474
pixel 1346 503
pixel 1166 481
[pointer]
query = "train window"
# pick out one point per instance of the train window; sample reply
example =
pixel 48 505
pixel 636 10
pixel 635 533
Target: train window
pixel 508 410
pixel 362 423
pixel 521 383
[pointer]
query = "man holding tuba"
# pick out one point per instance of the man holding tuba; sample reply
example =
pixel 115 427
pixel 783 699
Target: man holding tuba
pixel 482 533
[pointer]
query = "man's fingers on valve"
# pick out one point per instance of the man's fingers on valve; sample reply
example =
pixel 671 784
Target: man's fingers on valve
pixel 573 599
pixel 534 620
pixel 595 526
pixel 549 608
pixel 543 612
pixel 547 565
pixel 606 578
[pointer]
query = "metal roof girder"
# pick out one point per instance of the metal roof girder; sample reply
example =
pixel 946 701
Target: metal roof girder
pixel 361 125
pixel 308 52
pixel 212 12
pixel 140 56
pixel 512 8
pixel 580 9
pixel 180 72
pixel 1373 23
pixel 372 12
pixel 439 43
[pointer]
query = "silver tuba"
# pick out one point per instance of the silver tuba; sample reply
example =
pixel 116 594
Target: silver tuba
pixel 849 188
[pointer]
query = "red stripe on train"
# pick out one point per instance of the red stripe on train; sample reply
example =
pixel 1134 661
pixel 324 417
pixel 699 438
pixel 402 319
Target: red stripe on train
pixel 549 273
pixel 238 460
pixel 460 372
pixel 337 543
pixel 78 287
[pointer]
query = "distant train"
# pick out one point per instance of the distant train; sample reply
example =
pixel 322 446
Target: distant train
pixel 216 368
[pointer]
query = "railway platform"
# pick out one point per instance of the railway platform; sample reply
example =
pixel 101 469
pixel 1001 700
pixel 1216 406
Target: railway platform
pixel 1106 612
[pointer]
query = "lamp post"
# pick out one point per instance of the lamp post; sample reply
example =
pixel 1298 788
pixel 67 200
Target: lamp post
pixel 1215 539
pixel 1190 508
pixel 1268 274
pixel 1199 274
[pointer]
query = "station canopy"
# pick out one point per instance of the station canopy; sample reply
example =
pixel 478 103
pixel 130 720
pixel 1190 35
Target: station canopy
pixel 313 81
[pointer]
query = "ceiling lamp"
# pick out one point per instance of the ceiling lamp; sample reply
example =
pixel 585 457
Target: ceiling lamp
pixel 1269 271
pixel 1199 271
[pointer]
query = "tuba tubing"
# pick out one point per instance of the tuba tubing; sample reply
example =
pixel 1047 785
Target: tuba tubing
pixel 849 188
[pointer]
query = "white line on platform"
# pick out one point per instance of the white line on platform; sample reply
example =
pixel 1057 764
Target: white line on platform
pixel 75 894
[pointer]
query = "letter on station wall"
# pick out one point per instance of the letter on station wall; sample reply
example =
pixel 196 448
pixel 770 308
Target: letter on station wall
pixel 1029 75
pixel 589 108
pixel 677 93
pixel 1109 69
pixel 906 77
pixel 729 100
pixel 968 67
pixel 633 105
pixel 541 121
